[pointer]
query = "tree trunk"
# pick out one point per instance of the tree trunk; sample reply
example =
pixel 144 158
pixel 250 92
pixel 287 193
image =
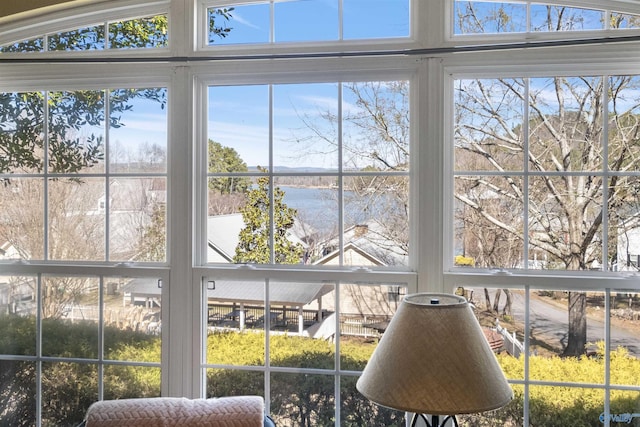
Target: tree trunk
pixel 577 335
pixel 487 299
pixel 507 305
pixel 496 301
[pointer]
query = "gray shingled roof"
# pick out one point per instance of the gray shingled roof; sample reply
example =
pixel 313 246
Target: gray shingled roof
pixel 251 292
pixel 223 236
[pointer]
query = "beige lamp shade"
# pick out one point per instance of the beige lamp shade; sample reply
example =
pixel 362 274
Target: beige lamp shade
pixel 434 359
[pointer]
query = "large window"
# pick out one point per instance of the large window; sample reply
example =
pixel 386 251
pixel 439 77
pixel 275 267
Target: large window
pixel 313 173
pixel 209 197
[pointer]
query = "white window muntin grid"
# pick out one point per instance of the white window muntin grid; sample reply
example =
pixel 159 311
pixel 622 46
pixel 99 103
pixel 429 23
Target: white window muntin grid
pixel 266 275
pixel 341 45
pixel 513 70
pixel 40 272
pixel 66 85
pixel 529 279
pixel 532 283
pixel 388 72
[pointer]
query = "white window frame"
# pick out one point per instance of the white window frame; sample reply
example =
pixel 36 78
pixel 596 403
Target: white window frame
pixel 430 267
pixel 522 63
pixel 287 48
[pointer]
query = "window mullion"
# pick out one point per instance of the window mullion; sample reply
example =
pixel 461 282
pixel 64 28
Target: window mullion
pixel 605 175
pixel 525 177
pixel 45 171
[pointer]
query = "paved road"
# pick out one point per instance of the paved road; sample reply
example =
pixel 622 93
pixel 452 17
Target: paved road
pixel 550 322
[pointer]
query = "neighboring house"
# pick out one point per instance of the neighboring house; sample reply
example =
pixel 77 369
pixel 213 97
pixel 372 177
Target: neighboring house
pixel 628 251
pixel 368 245
pixel 365 245
pixel 359 301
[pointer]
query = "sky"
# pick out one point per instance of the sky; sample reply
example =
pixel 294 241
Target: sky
pixel 238 116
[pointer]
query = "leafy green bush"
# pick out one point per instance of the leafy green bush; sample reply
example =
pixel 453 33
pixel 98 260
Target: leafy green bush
pixel 297 399
pixel 68 388
pixel 551 406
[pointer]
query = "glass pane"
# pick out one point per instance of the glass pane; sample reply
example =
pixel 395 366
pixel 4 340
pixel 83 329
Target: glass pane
pixel 239 119
pixel 565 124
pixel 510 414
pixel 478 17
pixel 489 215
pixel 376 126
pixel 68 389
pixel 301 325
pixel 32 45
pixel 501 314
pixel 565 230
pixel 376 220
pixel 76 131
pixel 22 219
pixel 561 18
pixel 21 132
pixel 624 107
pixel 232 307
pixel 131 382
pixel 132 319
pixel 305 127
pixel 137 219
pixel 296 398
pixel 70 314
pixel 315 200
pixel 76 226
pixel 565 406
pixel 148 32
pixel 240 24
pixel 625 407
pixel 18 318
pixel 623 239
pixel 307 20
pixel 365 312
pixel 231 382
pixel 223 226
pixel 87 38
pixel 138 130
pixel 489 124
pixel 562 331
pixel 17 378
pixel 357 410
pixel 625 337
pixel 18 393
pixel 360 14
pixel 624 20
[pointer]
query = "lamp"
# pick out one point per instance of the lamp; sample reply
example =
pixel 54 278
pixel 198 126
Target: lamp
pixel 433 358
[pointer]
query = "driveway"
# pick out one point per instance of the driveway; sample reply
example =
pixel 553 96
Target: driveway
pixel 549 323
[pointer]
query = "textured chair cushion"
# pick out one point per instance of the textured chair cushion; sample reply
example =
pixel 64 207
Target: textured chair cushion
pixel 237 411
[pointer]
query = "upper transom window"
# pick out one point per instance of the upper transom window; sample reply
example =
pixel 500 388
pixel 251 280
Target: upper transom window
pixel 146 32
pixel 490 17
pixel 278 21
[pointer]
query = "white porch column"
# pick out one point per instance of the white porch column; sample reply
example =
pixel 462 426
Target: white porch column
pixel 300 320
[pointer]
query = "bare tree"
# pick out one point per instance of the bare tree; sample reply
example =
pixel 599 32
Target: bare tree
pixel 564 154
pixel 375 142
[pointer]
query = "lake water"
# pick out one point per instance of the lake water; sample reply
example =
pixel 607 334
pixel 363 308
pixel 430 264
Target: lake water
pixel 318 207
